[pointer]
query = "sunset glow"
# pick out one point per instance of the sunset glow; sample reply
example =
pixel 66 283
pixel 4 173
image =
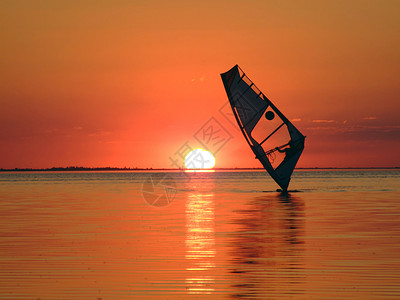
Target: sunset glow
pixel 127 83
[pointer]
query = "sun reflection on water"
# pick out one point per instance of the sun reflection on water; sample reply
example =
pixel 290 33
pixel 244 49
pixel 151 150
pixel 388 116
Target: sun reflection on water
pixel 200 242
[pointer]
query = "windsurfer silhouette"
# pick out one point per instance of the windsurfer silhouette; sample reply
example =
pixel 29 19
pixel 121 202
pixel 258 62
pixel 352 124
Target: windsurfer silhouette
pixel 236 84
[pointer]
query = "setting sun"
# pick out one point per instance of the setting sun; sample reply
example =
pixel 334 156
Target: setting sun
pixel 199 159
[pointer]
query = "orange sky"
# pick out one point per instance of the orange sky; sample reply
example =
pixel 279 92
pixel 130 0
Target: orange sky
pixel 91 83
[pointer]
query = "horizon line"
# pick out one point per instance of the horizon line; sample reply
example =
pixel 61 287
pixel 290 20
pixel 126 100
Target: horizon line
pixel 80 168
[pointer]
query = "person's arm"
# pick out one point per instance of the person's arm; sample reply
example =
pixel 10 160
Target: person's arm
pixel 280 150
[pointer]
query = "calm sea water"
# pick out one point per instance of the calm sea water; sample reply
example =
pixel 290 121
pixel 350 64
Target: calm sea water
pixel 221 235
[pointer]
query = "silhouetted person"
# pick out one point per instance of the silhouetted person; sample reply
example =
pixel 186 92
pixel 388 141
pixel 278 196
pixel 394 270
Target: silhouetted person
pixel 290 150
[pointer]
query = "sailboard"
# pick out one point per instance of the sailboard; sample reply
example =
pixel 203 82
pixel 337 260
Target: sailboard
pixel 275 141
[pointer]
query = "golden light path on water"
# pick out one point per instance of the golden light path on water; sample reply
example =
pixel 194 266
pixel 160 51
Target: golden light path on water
pixel 200 243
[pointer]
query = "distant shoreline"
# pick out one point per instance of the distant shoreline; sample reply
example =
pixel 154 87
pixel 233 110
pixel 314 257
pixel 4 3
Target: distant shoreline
pixel 74 169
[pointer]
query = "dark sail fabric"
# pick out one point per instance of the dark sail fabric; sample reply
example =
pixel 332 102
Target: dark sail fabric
pixel 275 141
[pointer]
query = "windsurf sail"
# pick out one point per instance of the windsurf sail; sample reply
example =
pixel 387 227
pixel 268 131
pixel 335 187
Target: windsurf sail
pixel 275 141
